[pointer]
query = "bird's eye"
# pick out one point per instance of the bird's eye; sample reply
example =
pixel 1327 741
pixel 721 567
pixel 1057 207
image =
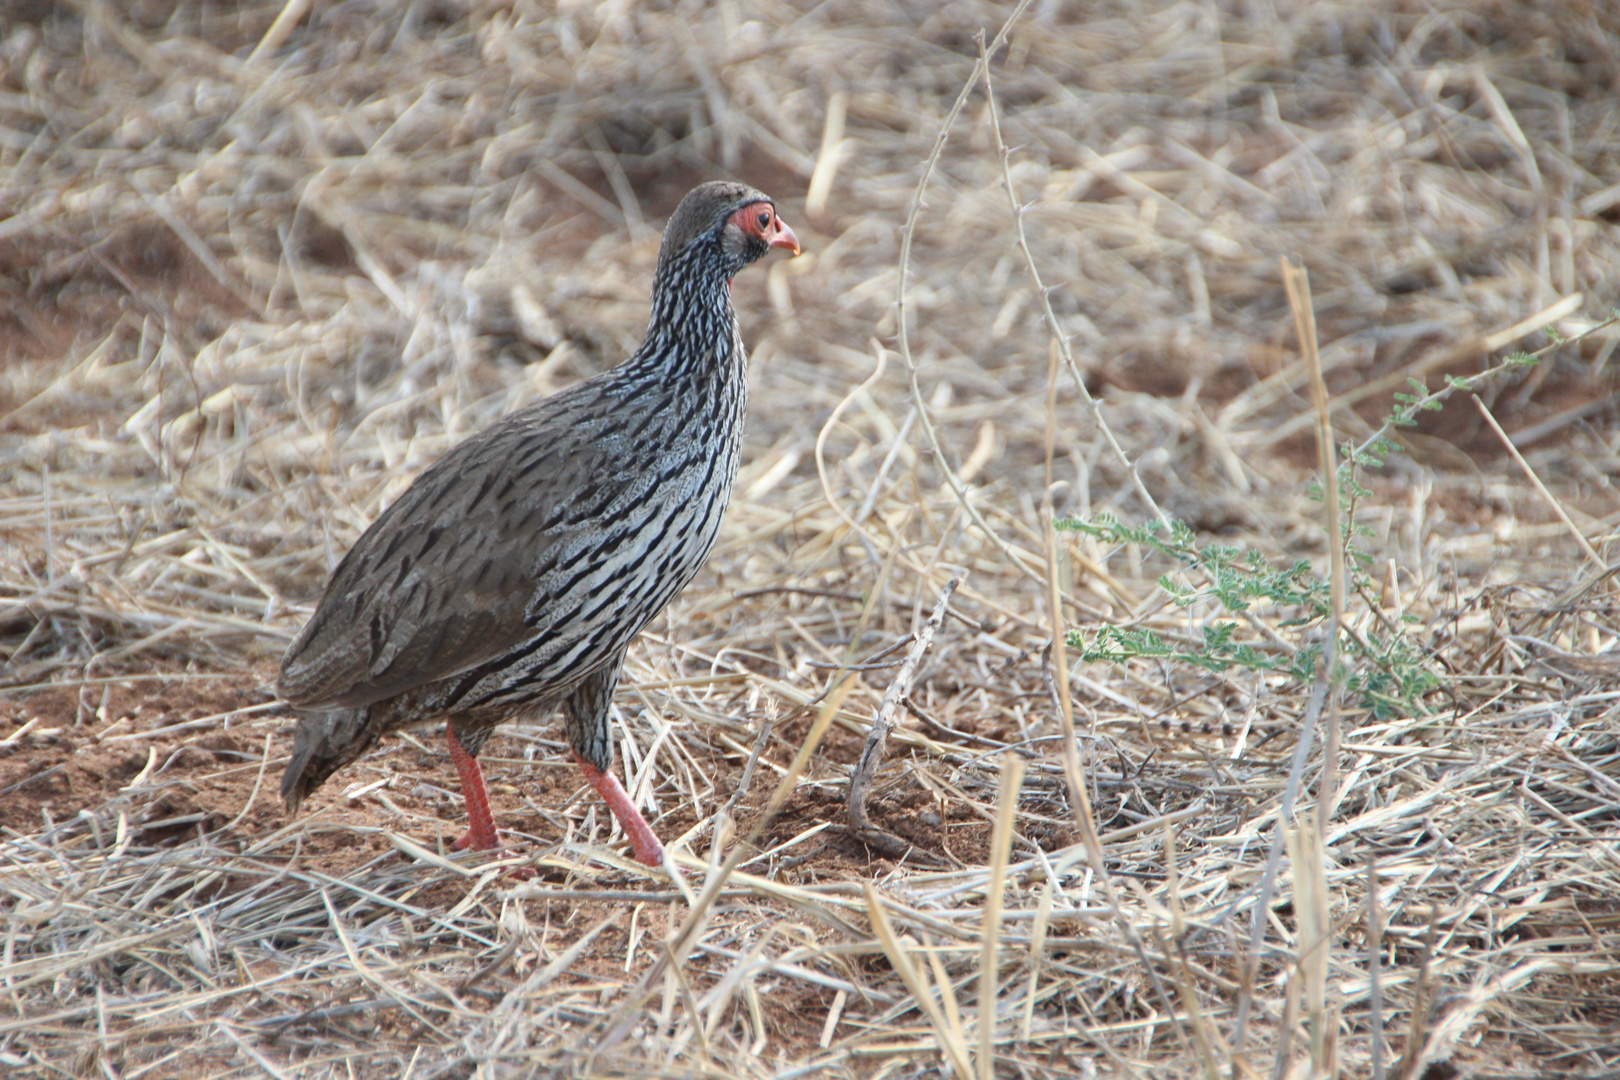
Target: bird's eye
pixel 764 220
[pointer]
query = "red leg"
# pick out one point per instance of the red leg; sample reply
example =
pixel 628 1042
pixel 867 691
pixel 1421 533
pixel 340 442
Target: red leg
pixel 649 852
pixel 480 834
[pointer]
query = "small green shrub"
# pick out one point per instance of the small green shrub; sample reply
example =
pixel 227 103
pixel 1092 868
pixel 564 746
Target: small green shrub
pixel 1380 664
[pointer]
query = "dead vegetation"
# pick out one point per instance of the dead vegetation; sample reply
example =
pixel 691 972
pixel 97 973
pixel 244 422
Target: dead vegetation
pixel 259 265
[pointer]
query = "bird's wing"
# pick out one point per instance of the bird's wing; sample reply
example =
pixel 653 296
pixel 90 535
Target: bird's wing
pixel 446 579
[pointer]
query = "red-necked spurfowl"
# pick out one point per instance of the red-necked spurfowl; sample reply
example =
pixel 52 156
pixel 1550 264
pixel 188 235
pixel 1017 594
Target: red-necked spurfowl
pixel 512 575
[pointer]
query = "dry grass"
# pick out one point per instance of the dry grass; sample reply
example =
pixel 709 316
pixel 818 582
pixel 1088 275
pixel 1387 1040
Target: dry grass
pixel 246 294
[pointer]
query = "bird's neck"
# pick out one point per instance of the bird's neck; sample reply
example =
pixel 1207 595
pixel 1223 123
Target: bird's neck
pixel 691 332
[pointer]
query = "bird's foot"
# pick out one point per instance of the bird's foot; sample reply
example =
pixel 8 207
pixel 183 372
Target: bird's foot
pixel 649 850
pixel 468 840
pixel 480 834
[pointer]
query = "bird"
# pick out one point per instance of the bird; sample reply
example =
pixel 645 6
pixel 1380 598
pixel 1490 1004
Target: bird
pixel 511 576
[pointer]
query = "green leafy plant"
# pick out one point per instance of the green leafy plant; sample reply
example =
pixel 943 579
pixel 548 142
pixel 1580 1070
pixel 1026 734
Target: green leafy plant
pixel 1380 664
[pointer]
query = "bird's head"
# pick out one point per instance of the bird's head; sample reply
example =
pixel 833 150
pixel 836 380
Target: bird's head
pixel 721 227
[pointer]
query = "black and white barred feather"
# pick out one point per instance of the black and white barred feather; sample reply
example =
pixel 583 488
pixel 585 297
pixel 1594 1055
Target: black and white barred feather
pixel 513 574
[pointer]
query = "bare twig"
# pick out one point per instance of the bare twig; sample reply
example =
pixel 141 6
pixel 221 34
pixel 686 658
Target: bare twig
pixel 877 738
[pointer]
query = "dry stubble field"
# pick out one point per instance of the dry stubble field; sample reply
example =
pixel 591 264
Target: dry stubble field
pixel 260 265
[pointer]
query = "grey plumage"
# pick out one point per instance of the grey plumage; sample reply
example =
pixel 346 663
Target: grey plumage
pixel 513 574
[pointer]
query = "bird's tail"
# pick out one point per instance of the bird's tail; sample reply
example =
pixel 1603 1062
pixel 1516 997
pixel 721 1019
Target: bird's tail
pixel 326 740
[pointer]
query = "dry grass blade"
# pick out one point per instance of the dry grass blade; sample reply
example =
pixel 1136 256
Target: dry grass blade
pixel 952 1042
pixel 1530 474
pixel 1312 942
pixel 1375 974
pixel 1012 778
